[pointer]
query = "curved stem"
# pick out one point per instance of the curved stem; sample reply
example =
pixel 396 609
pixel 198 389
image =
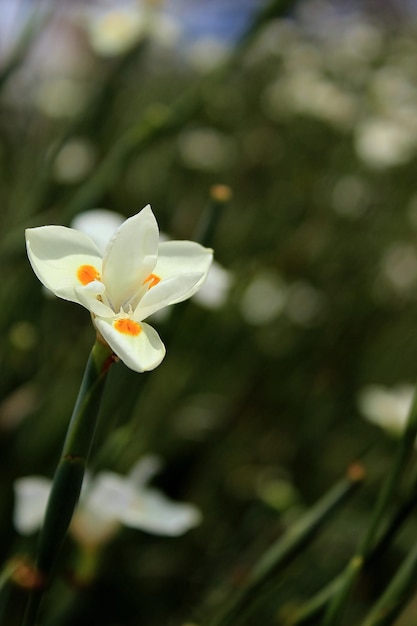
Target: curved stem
pixel 69 474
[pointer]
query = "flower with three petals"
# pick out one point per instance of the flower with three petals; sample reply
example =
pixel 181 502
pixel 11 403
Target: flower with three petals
pixel 108 500
pixel 135 277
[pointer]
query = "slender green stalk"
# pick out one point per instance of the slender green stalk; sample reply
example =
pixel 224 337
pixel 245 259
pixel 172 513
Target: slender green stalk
pixel 316 605
pixel 287 547
pixel 311 609
pixel 69 474
pixel 335 609
pixel 220 195
pixel 395 597
pixel 5 581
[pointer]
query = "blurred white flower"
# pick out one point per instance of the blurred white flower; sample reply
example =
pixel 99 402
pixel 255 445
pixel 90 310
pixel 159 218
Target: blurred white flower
pixel 278 38
pixel 60 97
pixel 399 266
pixel 108 501
pixel 115 27
pixel 74 161
pixel 263 299
pixel 206 149
pixel 309 93
pixel 385 142
pixel 360 40
pixel 215 290
pixel 391 89
pixel 351 49
pixel 99 225
pixel 386 407
pixel 206 53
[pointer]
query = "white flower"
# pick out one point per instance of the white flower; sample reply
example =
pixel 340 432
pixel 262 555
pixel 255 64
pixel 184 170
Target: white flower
pixel 135 277
pixel 384 142
pixel 108 501
pixel 114 28
pixel 387 407
pixel 99 225
pixel 263 299
pixel 215 291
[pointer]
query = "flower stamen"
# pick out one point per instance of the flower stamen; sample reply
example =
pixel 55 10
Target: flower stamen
pixel 87 273
pixel 127 327
pixel 152 279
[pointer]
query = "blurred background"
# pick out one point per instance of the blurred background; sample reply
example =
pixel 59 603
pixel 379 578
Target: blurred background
pixel 307 112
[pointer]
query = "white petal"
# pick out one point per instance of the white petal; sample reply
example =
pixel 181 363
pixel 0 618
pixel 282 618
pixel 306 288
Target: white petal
pixel 108 495
pixel 56 253
pixel 31 498
pixel 91 530
pixel 142 352
pixel 130 257
pixel 182 257
pixel 153 512
pixel 167 292
pixel 144 470
pixel 96 519
pixel 87 296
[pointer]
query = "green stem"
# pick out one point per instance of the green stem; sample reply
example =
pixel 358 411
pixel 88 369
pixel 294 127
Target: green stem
pixel 287 547
pixel 395 597
pixel 316 605
pixel 335 609
pixel 69 474
pixel 220 195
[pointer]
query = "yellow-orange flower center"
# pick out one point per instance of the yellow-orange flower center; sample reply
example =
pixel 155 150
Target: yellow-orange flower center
pixel 87 273
pixel 127 327
pixel 152 279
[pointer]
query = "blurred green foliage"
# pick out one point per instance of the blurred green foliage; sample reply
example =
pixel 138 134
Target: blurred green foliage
pixel 254 408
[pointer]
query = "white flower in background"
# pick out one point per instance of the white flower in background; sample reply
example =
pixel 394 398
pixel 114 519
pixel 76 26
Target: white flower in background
pixel 384 142
pixel 61 97
pixel 309 93
pixel 215 290
pixel 207 149
pixel 386 407
pixel 107 502
pixel 207 53
pixel 99 225
pixel 305 304
pixel 399 266
pixel 263 299
pixel 74 161
pixel 115 27
pixel 134 278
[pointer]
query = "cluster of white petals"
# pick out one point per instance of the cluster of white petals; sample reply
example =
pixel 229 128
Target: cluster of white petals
pixel 387 407
pixel 108 501
pixel 136 276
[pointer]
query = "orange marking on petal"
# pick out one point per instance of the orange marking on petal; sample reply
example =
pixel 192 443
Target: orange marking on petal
pixel 87 273
pixel 127 327
pixel 152 279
